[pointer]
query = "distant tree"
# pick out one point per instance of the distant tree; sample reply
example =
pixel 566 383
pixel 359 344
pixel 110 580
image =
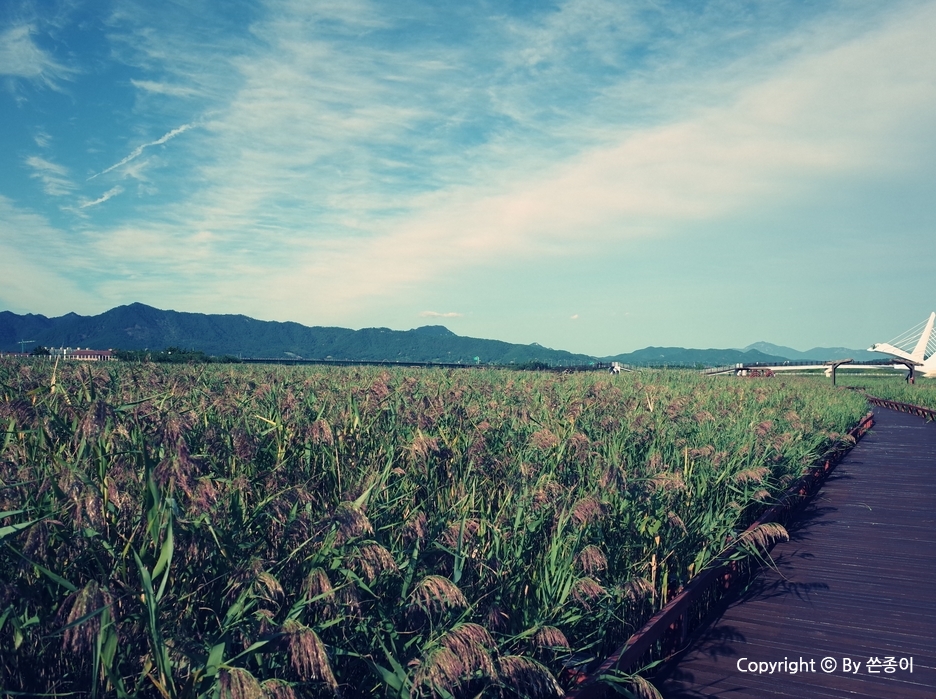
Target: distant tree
pixel 533 365
pixel 177 355
pixel 131 355
pixel 40 351
pixel 173 355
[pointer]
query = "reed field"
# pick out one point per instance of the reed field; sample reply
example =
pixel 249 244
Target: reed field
pixel 895 387
pixel 232 531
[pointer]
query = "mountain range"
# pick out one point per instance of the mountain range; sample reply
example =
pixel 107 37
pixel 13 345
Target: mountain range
pixel 141 327
pixel 816 353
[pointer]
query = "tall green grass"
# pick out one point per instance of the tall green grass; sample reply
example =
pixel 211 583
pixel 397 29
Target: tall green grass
pixel 894 387
pixel 246 532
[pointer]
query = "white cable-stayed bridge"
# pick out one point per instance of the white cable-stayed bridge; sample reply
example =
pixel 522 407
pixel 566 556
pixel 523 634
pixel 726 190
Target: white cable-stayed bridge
pixel 913 350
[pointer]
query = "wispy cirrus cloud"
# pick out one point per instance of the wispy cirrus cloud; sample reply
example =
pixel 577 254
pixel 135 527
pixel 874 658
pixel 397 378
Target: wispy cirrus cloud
pixel 367 155
pixel 21 57
pixel 361 168
pixel 831 112
pixel 54 177
pixel 161 88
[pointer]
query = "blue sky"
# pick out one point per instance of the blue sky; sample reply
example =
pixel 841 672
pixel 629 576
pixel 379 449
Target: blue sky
pixel 591 175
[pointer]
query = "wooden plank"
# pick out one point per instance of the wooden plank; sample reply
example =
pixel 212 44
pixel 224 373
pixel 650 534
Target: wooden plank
pixel 855 580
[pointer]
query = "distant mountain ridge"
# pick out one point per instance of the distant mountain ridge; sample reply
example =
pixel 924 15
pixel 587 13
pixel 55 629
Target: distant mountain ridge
pixel 817 353
pixel 138 327
pixel 680 356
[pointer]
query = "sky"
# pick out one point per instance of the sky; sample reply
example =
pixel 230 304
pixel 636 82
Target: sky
pixel 592 175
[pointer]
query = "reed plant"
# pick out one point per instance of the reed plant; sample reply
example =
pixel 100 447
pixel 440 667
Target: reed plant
pixel 894 387
pixel 231 531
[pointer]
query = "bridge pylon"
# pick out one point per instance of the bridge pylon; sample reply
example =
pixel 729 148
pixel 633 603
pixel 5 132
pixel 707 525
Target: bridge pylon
pixel 913 350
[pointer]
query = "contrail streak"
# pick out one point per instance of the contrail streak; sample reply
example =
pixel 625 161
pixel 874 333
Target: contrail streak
pixel 136 152
pixel 107 195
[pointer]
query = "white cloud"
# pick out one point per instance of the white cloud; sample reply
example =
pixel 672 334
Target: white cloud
pixel 164 88
pixel 20 57
pixel 856 108
pixel 329 169
pixel 54 177
pixel 32 280
pixel 595 29
pixel 137 170
pixel 347 166
pixel 436 314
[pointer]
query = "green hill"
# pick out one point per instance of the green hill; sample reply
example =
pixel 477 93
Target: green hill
pixel 141 327
pixel 138 327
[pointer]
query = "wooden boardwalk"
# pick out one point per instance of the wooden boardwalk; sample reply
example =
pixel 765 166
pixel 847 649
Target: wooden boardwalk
pixel 857 580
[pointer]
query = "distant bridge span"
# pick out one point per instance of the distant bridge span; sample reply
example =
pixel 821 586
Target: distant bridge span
pixel 760 368
pixel 914 350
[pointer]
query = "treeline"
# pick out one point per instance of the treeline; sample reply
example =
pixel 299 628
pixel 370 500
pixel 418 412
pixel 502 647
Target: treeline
pixel 174 355
pixel 177 355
